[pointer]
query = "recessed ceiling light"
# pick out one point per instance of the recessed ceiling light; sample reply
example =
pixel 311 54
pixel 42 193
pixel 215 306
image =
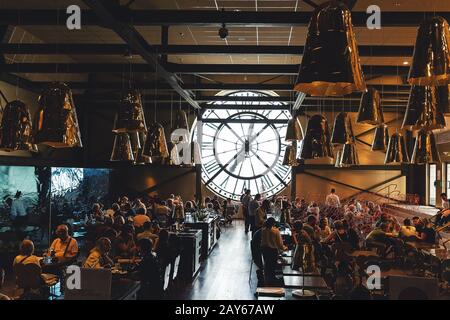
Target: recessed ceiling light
pixel 405 63
pixel 241 39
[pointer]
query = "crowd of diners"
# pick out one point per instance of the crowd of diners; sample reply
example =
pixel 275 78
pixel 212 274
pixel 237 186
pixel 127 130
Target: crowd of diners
pixel 139 230
pixel 320 230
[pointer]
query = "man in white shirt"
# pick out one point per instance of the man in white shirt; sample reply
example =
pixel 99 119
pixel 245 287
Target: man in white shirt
pixel 332 200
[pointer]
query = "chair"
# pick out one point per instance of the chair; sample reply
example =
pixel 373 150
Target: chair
pixel 30 279
pixel 28 276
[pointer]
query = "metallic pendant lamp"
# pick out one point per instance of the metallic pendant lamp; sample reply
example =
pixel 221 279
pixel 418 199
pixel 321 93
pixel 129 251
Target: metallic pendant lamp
pixel 431 58
pixel 181 120
pixel 330 64
pixel 294 131
pixel 396 151
pixel 370 111
pixel 423 109
pixel 130 114
pixel 317 141
pixel 349 156
pixel 56 120
pixel 425 148
pixel 342 129
pixel 290 156
pixel 122 150
pixel 380 138
pixel 16 128
pixel 155 144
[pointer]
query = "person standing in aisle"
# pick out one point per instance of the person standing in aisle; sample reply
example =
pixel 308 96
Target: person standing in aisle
pixel 246 198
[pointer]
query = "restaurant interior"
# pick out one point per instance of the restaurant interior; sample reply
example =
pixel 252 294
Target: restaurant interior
pixel 224 150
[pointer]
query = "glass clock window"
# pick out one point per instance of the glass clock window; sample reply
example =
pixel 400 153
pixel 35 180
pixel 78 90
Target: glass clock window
pixel 244 148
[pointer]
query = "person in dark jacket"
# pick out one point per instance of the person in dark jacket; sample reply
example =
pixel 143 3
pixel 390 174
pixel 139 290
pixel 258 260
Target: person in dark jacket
pixel 148 272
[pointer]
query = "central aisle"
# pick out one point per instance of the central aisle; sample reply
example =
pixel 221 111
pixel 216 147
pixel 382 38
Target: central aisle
pixel 225 274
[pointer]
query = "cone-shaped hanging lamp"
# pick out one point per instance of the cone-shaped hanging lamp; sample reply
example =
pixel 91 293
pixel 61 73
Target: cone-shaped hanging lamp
pixel 294 131
pixel 122 150
pixel 349 156
pixel 342 129
pixel 16 128
pixel 56 122
pixel 380 138
pixel 431 58
pixel 130 114
pixel 425 148
pixel 416 102
pixel 155 143
pixel 290 157
pixel 424 109
pixel 370 111
pixel 317 141
pixel 330 64
pixel 181 120
pixel 396 151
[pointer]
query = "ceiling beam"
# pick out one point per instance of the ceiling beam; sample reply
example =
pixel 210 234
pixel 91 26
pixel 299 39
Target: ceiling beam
pixel 173 68
pixel 122 49
pixel 203 17
pixel 384 90
pixel 136 42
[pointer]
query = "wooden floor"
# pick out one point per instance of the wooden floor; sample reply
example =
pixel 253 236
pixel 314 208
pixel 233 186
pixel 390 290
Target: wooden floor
pixel 225 274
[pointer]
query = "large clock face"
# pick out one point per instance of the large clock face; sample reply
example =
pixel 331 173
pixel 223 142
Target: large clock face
pixel 243 149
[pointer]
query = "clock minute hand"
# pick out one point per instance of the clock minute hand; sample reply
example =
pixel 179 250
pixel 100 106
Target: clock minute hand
pixel 240 157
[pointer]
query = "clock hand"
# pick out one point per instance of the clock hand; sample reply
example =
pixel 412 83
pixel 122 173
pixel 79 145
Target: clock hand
pixel 240 157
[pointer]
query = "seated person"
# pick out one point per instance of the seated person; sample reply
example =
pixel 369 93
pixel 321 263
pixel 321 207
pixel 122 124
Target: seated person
pixel 64 248
pixel 26 254
pixel 125 245
pixel 189 207
pixel 148 272
pixel 443 217
pixel 141 217
pixel 98 257
pixel 119 222
pixel 2 281
pixel 97 213
pixel 427 234
pixel 417 223
pixel 338 235
pixel 352 235
pixel 147 233
pixel 382 235
pixel 311 228
pixel 156 229
pixel 407 231
pixel 163 250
